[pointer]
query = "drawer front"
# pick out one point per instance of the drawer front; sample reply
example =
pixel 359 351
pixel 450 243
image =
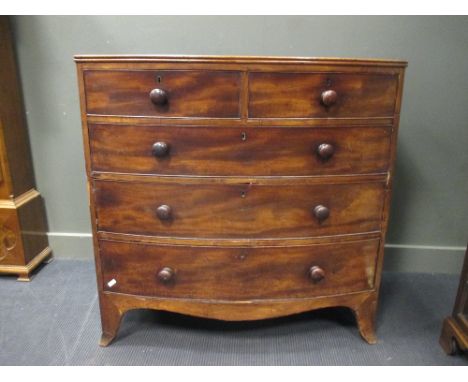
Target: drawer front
pixel 175 150
pixel 238 273
pixel 238 211
pixel 322 95
pixel 163 93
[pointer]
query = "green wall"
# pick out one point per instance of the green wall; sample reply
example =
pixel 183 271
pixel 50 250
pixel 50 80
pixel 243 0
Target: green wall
pixel 429 219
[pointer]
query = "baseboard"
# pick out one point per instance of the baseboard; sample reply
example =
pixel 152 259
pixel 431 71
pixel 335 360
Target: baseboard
pixel 71 245
pixel 423 258
pixel 398 257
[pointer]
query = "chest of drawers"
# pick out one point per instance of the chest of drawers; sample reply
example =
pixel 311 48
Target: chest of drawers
pixel 239 188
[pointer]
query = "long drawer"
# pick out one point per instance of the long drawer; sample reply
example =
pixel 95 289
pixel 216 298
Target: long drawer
pixel 164 93
pixel 231 151
pixel 238 273
pixel 210 210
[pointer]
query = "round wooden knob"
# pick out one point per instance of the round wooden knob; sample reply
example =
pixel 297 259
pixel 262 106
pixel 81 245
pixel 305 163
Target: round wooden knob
pixel 164 212
pixel 329 97
pixel 321 212
pixel 160 149
pixel 316 274
pixel 166 274
pixel 325 150
pixel 158 97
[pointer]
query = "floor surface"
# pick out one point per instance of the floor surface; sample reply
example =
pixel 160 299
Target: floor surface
pixel 54 320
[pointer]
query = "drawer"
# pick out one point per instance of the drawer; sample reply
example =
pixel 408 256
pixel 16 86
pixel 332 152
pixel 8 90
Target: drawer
pixel 165 93
pixel 238 273
pixel 231 151
pixel 322 95
pixel 210 210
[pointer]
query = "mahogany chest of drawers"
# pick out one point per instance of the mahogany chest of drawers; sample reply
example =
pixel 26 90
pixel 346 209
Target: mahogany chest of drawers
pixel 239 188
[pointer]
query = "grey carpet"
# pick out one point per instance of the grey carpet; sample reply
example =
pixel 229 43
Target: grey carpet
pixel 54 320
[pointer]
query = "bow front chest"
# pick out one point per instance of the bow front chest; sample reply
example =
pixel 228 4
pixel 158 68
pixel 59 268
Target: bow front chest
pixel 239 188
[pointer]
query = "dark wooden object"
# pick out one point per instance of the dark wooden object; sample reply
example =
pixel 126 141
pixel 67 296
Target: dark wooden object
pixel 239 188
pixel 23 226
pixel 454 334
pixel 235 151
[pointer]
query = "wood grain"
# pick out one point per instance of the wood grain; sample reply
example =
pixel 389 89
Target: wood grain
pixel 298 95
pixel 236 211
pixel 11 244
pixel 265 151
pixel 238 273
pixel 15 149
pixel 190 93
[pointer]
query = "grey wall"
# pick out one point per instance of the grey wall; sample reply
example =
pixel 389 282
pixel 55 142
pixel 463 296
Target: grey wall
pixel 429 217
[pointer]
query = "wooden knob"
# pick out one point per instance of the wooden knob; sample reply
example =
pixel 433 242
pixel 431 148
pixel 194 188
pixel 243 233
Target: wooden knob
pixel 164 212
pixel 160 149
pixel 158 97
pixel 325 150
pixel 166 274
pixel 316 274
pixel 329 97
pixel 321 212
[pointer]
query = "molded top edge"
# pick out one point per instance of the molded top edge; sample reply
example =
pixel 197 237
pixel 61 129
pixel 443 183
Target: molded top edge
pixel 240 59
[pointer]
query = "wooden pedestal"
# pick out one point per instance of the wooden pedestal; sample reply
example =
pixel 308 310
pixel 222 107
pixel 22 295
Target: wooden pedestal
pixel 23 225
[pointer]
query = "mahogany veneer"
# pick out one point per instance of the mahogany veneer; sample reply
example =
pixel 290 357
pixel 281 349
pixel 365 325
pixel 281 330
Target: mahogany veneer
pixel 238 210
pixel 239 188
pixel 193 93
pixel 232 151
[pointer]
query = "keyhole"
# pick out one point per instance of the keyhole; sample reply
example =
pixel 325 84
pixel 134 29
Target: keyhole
pixel 244 136
pixel 243 194
pixel 159 79
pixel 329 82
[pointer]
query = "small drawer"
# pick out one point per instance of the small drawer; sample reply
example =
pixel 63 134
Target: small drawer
pixel 322 95
pixel 232 151
pixel 210 210
pixel 163 93
pixel 238 273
